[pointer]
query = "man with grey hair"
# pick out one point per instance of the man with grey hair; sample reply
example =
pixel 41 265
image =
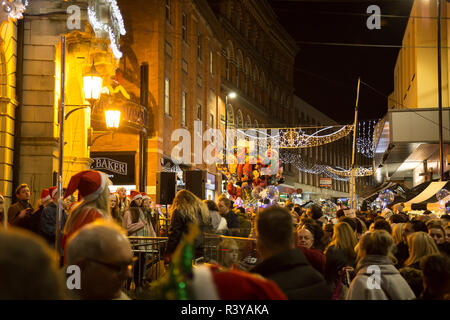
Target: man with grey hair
pixel 104 256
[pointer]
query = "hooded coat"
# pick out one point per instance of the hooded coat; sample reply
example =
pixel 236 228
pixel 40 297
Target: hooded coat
pixel 392 286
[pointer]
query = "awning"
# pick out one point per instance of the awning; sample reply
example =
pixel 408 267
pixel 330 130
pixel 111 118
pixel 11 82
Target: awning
pixel 284 188
pixel 428 193
pixel 373 195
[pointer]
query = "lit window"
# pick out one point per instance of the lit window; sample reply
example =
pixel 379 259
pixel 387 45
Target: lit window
pixel 199 46
pixel 183 109
pixel 211 70
pixel 166 96
pixel 168 11
pixel 184 27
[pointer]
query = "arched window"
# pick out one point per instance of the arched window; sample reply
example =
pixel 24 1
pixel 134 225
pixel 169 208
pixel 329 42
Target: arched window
pixel 229 60
pixel 256 124
pixel 248 75
pixel 230 116
pixel 248 122
pixel 239 119
pixel 239 67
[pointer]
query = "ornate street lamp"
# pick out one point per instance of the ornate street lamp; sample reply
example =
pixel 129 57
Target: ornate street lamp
pixel 93 84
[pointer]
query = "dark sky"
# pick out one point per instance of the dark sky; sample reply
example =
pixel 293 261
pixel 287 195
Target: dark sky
pixel 326 76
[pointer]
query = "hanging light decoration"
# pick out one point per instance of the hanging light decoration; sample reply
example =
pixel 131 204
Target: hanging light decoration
pixel 364 140
pixel 15 8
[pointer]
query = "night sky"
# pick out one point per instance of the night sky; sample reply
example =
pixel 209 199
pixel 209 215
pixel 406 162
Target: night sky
pixel 326 76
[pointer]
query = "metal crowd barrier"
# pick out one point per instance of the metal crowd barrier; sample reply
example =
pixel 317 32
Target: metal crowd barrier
pixel 152 250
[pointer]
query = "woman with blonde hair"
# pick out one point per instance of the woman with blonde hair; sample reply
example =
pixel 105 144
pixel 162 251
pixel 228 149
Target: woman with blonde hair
pixel 94 204
pixel 340 255
pixel 397 233
pixel 375 250
pixel 420 244
pixel 186 209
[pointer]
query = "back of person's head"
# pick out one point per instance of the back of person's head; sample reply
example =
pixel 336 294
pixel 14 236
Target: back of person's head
pixel 378 218
pixel 351 222
pixel 241 210
pixel 436 276
pixel 382 225
pixel 397 232
pixel 297 209
pixel 434 223
pixel 418 225
pixel 445 218
pixel 315 211
pixel 379 242
pixel 413 277
pixel 364 206
pixel 361 227
pixel 344 238
pixel 274 226
pixel 340 213
pixel 28 268
pixel 396 218
pixel 420 244
pixel 212 206
pixel 189 205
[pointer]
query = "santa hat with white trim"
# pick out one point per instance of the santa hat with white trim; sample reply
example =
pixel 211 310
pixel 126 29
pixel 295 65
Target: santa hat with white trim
pixel 52 192
pixel 134 195
pixel 45 195
pixel 145 196
pixel 90 185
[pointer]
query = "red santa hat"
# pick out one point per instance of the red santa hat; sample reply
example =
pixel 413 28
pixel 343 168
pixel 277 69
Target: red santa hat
pixel 45 195
pixel 90 185
pixel 210 283
pixel 52 191
pixel 145 196
pixel 134 195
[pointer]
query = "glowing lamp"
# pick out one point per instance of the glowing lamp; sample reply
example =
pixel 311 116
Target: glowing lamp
pixel 93 84
pixel 112 119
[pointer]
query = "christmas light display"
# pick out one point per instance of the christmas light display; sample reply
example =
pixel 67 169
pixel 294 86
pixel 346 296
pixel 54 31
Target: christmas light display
pixel 114 29
pixel 15 8
pixel 364 140
pixel 442 194
pixel 291 138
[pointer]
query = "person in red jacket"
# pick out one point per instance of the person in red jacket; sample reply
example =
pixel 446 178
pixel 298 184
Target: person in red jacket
pixel 93 192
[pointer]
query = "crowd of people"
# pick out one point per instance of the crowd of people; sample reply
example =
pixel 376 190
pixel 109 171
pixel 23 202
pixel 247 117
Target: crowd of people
pixel 299 253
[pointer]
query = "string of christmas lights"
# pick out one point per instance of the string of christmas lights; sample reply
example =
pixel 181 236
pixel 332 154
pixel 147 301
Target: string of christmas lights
pixel 292 138
pixel 15 8
pixel 114 30
pixel 364 140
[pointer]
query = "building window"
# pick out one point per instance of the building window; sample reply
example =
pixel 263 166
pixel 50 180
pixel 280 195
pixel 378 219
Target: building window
pixel 166 96
pixel 211 120
pixel 184 27
pixel 199 112
pixel 211 69
pixel 199 46
pixel 168 11
pixel 183 109
pixel 227 68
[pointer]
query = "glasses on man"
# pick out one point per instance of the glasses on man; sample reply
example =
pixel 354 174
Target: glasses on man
pixel 120 267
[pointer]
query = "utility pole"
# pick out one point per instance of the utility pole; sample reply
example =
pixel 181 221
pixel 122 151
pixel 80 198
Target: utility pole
pixel 352 169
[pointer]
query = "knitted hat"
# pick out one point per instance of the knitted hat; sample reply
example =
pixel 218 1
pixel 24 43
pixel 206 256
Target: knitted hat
pixel 134 195
pixel 45 195
pixel 89 183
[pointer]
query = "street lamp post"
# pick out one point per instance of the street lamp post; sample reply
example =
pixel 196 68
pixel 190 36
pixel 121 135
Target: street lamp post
pixel 439 45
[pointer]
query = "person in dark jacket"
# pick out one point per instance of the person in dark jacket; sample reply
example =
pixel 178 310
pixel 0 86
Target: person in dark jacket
pixel 224 205
pixel 19 213
pixel 186 209
pixel 48 219
pixel 284 264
